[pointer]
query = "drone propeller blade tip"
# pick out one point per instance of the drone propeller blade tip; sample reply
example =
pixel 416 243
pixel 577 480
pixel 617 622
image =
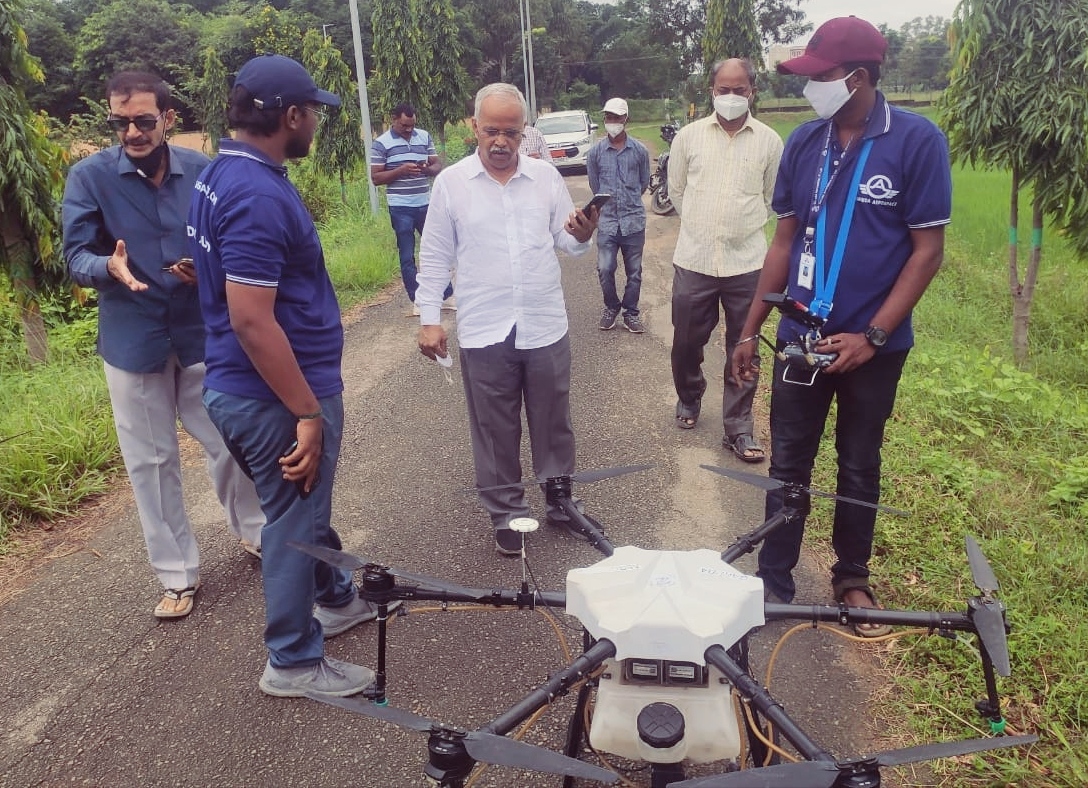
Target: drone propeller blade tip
pixel 503 751
pixel 982 574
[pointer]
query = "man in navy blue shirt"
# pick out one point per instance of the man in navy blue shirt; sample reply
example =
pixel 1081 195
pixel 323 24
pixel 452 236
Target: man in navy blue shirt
pixel 124 235
pixel 273 385
pixel 620 166
pixel 863 196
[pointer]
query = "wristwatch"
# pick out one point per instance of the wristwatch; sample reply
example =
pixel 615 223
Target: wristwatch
pixel 877 337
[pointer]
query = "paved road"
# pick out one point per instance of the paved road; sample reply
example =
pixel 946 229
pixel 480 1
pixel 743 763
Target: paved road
pixel 97 692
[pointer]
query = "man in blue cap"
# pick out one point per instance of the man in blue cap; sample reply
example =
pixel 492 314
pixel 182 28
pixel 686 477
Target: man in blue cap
pixel 273 385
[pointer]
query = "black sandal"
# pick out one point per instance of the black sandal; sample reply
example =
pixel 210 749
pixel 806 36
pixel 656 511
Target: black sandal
pixel 744 443
pixel 687 416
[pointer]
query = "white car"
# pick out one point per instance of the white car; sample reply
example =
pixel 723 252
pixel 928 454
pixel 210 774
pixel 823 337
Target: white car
pixel 569 135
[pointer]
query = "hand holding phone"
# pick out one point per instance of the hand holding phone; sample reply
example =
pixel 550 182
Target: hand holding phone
pixel 597 202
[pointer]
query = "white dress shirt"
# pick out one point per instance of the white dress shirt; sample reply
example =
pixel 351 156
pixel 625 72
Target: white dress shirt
pixel 500 239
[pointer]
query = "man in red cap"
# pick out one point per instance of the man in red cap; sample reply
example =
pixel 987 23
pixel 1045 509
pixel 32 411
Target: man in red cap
pixel 862 198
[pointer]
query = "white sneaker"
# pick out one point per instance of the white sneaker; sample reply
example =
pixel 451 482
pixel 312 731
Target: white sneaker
pixel 329 677
pixel 415 310
pixel 450 304
pixel 337 620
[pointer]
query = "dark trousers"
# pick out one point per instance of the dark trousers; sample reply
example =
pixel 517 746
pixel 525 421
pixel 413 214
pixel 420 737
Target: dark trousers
pixel 497 379
pixel 695 302
pixel 864 397
pixel 407 221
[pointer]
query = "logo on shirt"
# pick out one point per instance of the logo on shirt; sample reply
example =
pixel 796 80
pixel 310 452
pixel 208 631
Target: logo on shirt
pixel 878 191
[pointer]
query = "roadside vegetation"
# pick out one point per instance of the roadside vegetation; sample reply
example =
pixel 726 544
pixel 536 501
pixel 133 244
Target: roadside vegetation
pixel 977 446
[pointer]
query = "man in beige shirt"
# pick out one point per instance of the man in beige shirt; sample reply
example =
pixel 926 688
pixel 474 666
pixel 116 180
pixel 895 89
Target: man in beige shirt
pixel 721 180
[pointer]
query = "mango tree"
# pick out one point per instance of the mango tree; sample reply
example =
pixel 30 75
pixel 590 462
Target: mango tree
pixel 1017 101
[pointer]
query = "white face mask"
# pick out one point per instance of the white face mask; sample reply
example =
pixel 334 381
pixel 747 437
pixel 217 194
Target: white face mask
pixel 730 106
pixel 613 129
pixel 827 98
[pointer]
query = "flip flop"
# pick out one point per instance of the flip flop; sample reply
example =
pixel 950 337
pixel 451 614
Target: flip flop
pixel 744 443
pixel 176 602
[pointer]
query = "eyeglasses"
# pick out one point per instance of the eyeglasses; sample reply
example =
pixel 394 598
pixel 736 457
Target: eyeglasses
pixel 321 114
pixel 724 91
pixel 511 134
pixel 142 123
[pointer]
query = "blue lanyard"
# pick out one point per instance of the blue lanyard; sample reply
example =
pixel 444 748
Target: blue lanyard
pixel 824 294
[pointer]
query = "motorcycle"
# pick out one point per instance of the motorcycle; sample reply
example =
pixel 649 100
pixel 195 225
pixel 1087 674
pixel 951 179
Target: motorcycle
pixel 659 181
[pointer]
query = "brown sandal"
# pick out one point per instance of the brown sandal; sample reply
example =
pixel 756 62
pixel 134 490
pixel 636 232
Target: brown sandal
pixel 864 630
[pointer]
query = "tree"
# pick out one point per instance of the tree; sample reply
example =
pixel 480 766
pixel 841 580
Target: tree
pixel 30 182
pixel 401 62
pixel 1017 101
pixel 208 95
pixel 119 37
pixel 449 84
pixel 730 32
pixel 54 48
pixel 338 146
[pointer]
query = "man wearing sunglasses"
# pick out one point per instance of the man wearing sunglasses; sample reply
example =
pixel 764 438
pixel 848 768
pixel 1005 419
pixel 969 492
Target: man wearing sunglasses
pixel 124 213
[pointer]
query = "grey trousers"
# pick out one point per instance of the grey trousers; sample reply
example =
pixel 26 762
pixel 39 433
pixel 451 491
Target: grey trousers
pixel 497 379
pixel 695 301
pixel 146 409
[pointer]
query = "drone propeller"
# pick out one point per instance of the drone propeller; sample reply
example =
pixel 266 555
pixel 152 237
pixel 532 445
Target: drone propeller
pixel 824 774
pixel 767 483
pixel 987 612
pixel 480 745
pixel 981 572
pixel 586 477
pixel 344 560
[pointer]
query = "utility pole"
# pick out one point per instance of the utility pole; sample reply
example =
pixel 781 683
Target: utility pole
pixel 364 103
pixel 527 57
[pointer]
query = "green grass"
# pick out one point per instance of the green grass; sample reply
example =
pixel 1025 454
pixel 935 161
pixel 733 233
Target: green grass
pixel 976 446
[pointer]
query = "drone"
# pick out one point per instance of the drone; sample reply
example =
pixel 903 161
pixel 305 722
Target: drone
pixel 664 676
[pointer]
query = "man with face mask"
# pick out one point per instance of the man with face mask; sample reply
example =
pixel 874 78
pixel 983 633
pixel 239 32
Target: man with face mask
pixel 620 166
pixel 721 178
pixel 862 198
pixel 124 235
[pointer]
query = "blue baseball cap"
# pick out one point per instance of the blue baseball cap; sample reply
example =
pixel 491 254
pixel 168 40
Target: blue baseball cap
pixel 278 82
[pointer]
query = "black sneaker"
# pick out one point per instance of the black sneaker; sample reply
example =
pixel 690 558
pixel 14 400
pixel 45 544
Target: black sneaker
pixel 633 324
pixel 507 542
pixel 609 318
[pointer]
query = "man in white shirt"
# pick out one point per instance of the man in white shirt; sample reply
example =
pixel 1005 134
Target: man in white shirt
pixel 497 218
pixel 722 171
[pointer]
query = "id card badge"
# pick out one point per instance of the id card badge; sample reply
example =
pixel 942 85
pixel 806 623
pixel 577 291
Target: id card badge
pixel 806 270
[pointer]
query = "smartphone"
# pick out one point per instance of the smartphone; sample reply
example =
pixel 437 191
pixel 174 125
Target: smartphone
pixel 300 485
pixel 184 262
pixel 597 201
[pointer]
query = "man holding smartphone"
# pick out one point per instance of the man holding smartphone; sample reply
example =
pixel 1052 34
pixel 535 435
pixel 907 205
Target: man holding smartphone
pixel 620 166
pixel 124 235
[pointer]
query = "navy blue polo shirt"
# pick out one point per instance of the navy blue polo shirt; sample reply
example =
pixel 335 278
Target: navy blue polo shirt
pixel 248 225
pixel 906 184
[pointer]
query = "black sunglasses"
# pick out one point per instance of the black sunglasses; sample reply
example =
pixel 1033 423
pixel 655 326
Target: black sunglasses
pixel 142 123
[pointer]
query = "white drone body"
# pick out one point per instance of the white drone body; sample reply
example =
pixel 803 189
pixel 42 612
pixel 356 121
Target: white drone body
pixel 662 610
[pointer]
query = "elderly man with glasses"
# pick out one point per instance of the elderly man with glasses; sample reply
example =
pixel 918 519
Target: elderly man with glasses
pixel 124 213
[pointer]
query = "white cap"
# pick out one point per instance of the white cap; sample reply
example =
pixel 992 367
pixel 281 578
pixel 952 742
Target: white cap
pixel 616 106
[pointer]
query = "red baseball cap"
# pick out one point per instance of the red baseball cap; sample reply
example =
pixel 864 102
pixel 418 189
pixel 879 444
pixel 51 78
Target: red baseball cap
pixel 845 39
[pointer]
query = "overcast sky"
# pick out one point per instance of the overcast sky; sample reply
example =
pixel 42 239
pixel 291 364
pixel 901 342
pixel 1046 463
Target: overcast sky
pixel 894 13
